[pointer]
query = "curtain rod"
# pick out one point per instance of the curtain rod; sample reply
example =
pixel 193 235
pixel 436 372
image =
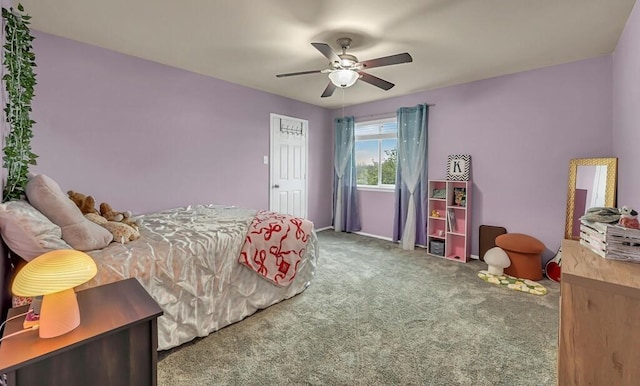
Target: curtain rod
pixel 385 115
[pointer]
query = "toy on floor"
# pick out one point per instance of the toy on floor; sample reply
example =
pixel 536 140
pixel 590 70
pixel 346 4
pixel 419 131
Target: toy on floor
pixel 553 268
pixel 497 260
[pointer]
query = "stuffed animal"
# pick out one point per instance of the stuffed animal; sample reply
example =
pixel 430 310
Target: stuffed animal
pixel 122 233
pixel 629 218
pixel 107 212
pixel 87 204
pixel 124 217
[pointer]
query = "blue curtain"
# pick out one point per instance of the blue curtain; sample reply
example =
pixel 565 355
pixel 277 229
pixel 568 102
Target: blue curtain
pixel 411 177
pixel 346 214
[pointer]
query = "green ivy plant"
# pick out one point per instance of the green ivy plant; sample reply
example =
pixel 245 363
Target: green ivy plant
pixel 19 61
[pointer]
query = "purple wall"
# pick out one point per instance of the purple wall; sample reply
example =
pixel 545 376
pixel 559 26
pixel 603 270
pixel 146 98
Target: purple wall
pixel 144 136
pixel 521 130
pixel 626 111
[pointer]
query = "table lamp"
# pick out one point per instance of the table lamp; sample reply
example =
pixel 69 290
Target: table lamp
pixel 53 275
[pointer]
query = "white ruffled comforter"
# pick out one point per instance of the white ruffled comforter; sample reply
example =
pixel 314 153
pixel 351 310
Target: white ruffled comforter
pixel 187 259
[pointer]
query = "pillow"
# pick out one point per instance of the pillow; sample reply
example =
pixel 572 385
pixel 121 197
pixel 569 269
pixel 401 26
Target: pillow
pixel 46 196
pixel 27 232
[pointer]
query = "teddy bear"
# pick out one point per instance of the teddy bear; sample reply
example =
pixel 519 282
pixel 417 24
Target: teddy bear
pixel 107 212
pixel 87 204
pixel 122 233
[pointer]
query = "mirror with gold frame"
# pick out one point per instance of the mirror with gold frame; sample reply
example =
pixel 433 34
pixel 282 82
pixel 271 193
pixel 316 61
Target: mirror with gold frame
pixel 592 182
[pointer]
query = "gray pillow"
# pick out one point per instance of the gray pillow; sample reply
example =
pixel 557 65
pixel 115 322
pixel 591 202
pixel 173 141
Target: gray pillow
pixel 27 232
pixel 46 196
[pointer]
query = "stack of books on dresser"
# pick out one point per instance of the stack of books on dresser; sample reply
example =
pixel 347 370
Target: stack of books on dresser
pixel 611 241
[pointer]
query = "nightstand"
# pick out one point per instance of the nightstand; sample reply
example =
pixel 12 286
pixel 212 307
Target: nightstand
pixel 115 344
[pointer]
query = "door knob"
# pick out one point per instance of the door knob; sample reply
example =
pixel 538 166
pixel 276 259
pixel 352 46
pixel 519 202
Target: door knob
pixel 276 186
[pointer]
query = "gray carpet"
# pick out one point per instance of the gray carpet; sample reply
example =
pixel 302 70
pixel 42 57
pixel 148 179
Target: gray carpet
pixel 378 315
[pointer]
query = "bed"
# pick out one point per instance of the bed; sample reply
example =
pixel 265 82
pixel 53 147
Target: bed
pixel 188 259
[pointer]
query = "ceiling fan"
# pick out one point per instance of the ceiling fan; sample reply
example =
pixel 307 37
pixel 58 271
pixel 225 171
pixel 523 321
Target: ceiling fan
pixel 345 69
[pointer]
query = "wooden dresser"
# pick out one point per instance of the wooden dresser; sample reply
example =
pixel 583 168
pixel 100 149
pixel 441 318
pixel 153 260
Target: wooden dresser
pixel 115 344
pixel 599 339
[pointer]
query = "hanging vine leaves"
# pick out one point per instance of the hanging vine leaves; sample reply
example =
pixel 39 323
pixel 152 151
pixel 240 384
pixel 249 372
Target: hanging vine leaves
pixel 19 81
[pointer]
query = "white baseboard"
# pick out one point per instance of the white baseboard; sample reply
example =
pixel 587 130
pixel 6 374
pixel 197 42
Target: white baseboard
pixel 374 236
pixel 476 257
pixel 386 238
pixel 371 235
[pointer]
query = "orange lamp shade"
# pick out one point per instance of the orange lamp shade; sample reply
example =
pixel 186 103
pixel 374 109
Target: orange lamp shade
pixel 54 275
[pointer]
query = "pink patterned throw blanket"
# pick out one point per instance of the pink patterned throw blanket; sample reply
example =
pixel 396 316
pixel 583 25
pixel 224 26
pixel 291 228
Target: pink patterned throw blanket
pixel 274 245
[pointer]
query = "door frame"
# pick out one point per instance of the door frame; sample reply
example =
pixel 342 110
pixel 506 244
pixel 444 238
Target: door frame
pixel 305 128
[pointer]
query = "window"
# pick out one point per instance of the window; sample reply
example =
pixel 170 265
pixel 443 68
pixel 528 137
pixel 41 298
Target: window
pixel 376 153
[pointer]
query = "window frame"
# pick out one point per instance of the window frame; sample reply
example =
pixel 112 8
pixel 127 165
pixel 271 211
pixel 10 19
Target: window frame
pixel 379 137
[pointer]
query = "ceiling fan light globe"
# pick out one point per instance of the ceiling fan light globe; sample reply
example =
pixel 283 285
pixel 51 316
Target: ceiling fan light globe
pixel 343 78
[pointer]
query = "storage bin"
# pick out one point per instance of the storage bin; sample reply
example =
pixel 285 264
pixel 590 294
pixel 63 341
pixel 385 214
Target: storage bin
pixel 436 247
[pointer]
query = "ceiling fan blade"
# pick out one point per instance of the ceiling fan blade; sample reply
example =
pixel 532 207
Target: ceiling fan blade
pixel 387 61
pixel 327 51
pixel 329 90
pixel 374 80
pixel 298 73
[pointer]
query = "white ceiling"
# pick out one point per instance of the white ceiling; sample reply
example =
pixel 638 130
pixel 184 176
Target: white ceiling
pixel 248 42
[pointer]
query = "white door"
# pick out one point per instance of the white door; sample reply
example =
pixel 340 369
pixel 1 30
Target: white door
pixel 288 160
